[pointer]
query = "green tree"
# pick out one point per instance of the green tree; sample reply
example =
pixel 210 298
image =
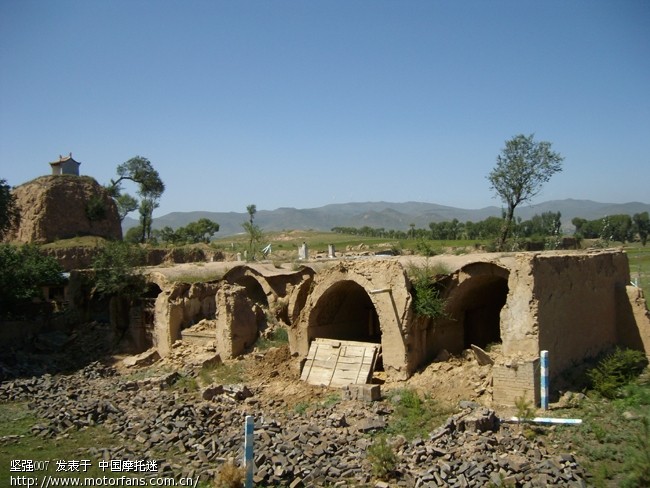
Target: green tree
pixel 522 168
pixel 254 233
pixel 9 212
pixel 200 231
pixel 579 224
pixel 620 227
pixel 150 188
pixel 544 225
pixel 169 235
pixel 125 205
pixel 140 171
pixel 147 206
pixel 252 210
pixel 194 232
pixel 23 271
pixel 133 235
pixel 116 269
pixel 642 226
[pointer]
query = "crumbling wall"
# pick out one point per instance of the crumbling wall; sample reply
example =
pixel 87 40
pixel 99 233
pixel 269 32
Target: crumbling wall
pixel 576 297
pixel 475 295
pixel 633 319
pixel 387 289
pixel 237 321
pixel 297 299
pixel 178 306
pixel 519 324
pixel 574 305
pixel 267 286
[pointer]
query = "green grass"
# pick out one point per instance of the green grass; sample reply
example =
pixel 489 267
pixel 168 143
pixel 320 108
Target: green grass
pixel 639 258
pixel 318 241
pixel 415 416
pixel 16 419
pixel 83 241
pixel 225 373
pixel 186 383
pixel 279 337
pixel 18 442
pixel 304 407
pixel 611 443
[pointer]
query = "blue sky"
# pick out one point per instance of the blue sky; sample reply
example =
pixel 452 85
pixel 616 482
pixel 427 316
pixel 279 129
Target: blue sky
pixel 306 103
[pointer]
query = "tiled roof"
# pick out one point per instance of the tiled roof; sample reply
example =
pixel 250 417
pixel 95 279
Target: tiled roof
pixel 63 159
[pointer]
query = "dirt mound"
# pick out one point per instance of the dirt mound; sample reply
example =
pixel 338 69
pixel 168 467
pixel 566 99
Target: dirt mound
pixel 275 375
pixel 64 206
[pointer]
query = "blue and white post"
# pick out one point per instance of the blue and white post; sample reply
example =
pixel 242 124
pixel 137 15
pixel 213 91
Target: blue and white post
pixel 544 380
pixel 248 450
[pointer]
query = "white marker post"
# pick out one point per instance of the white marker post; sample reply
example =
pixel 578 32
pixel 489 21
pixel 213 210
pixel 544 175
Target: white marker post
pixel 248 450
pixel 544 380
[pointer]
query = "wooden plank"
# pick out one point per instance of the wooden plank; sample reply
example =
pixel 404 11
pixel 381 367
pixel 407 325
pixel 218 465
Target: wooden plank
pixel 364 370
pixel 333 362
pixel 308 365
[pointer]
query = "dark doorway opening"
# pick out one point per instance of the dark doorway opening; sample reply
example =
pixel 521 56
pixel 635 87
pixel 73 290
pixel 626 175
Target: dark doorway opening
pixel 142 320
pixel 482 320
pixel 345 312
pixel 474 306
pixel 254 290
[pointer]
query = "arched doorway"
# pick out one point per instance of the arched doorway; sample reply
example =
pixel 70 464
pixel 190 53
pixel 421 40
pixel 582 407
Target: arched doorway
pixel 483 302
pixel 474 305
pixel 254 289
pixel 345 311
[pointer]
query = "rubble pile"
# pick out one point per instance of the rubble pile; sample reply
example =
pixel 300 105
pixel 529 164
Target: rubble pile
pixel 201 430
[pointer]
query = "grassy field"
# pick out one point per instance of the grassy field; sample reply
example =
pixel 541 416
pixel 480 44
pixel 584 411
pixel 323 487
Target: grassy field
pixel 317 242
pixel 639 258
pixel 18 442
pixel 613 442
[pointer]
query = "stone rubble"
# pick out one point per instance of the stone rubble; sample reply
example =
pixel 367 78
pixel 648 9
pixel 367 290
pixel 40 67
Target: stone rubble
pixel 327 447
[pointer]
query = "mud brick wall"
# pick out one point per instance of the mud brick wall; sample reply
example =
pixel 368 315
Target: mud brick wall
pixel 514 380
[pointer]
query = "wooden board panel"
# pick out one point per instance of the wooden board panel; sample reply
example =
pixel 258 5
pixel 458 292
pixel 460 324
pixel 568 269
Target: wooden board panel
pixel 331 362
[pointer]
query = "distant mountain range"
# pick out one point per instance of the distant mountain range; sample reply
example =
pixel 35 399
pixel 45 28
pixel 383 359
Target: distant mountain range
pixel 387 215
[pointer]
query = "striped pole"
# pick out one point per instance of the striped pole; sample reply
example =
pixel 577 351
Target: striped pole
pixel 546 420
pixel 544 380
pixel 248 450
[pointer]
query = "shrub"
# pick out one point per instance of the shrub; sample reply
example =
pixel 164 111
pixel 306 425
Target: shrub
pixel 525 410
pixel 301 408
pixel 425 248
pixel 616 370
pixel 415 416
pixel 23 271
pixel 427 301
pixel 9 211
pixel 95 209
pixel 116 270
pixel 278 337
pixel 186 383
pixel 230 476
pixel 382 458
